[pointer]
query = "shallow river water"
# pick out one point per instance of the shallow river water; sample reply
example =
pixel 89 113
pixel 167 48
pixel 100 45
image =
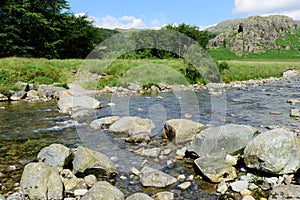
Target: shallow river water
pixel 26 127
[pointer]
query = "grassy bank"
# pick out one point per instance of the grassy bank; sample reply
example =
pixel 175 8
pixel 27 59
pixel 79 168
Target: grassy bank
pixel 144 71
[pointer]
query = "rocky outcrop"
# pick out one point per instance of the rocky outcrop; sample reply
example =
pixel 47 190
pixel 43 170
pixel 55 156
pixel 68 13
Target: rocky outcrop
pixel 256 34
pixel 181 130
pixel 275 151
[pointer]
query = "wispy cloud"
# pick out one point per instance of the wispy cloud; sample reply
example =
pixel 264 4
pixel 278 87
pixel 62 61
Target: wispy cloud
pixel 124 22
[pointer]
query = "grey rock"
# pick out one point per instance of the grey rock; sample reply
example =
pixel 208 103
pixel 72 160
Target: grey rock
pixel 132 126
pixel 104 122
pixel 275 151
pixel 239 186
pixel 222 188
pixel 55 155
pixel 139 196
pixel 69 104
pixel 14 196
pixel 40 181
pixel 222 140
pixel 23 86
pixel 134 87
pixel 87 161
pixel 3 97
pixel 181 130
pixel 212 146
pixel 49 91
pixel 164 196
pixel 185 185
pixel 154 178
pixel 102 190
pixel 18 95
pixel 33 94
pixel 295 113
pixel 283 192
pixel 153 152
pixel 80 192
pixel 90 180
pixel 215 169
pixel 71 184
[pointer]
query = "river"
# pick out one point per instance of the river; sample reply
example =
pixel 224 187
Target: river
pixel 26 127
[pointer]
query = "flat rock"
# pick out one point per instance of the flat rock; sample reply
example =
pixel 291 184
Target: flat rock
pixel 49 91
pixel 275 151
pixel 154 178
pixel 3 97
pixel 164 196
pixel 239 186
pixel 40 181
pixel 55 155
pixel 18 95
pixel 216 169
pixel 104 122
pixel 284 192
pixel 87 161
pixel 181 130
pixel 103 190
pixel 139 196
pixel 69 104
pixel 132 125
pixel 153 152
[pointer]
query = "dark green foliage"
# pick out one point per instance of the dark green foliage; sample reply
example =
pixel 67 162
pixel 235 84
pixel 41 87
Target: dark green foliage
pixel 222 66
pixel 193 75
pixel 45 28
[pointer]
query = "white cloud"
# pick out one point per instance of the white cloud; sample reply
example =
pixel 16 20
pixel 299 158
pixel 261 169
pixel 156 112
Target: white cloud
pixel 124 22
pixel 287 7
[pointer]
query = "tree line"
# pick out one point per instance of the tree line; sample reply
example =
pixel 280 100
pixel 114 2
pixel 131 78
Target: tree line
pixel 48 28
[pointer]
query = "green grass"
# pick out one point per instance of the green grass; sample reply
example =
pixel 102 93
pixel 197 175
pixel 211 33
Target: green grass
pixel 144 71
pixel 39 71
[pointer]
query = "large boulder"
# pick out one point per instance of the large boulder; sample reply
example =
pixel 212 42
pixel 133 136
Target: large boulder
pixel 40 181
pixel 104 122
pixel 181 130
pixel 284 192
pixel 214 144
pixel 69 104
pixel 276 151
pixel 154 178
pixel 132 126
pixel 87 161
pixel 18 95
pixel 103 190
pixel 49 91
pixel 55 155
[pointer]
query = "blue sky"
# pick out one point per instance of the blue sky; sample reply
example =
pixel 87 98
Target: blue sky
pixel 156 13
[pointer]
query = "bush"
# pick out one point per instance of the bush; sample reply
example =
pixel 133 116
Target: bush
pixel 222 66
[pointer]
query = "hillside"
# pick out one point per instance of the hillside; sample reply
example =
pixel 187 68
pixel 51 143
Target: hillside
pixel 258 34
pixel 225 26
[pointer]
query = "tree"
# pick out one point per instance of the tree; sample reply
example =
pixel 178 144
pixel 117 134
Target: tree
pixel 45 28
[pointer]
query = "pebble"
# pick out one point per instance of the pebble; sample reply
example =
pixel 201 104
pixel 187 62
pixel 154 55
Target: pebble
pixel 188 116
pixel 252 186
pixel 11 168
pixel 114 158
pixel 239 186
pixel 190 178
pixel 185 185
pixel 135 171
pixel 245 192
pixel 181 152
pixel 164 196
pixel 222 188
pixel 123 177
pixel 80 192
pixel 167 151
pixel 181 177
pixel 248 197
pixel 111 104
pixel 153 153
pixel 232 160
pixel 90 180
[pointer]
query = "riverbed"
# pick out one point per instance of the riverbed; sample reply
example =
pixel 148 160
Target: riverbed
pixel 26 127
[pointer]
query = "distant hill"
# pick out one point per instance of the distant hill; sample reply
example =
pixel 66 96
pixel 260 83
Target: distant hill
pixel 225 26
